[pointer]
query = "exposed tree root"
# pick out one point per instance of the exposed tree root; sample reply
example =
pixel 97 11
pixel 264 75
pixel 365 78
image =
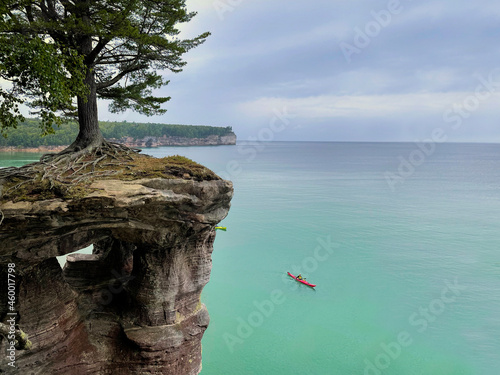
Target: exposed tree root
pixel 69 167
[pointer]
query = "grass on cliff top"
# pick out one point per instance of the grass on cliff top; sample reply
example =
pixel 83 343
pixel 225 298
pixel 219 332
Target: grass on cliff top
pixel 168 167
pixel 73 181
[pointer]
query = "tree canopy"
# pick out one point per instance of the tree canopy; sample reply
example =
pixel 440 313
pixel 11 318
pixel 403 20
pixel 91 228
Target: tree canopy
pixel 61 55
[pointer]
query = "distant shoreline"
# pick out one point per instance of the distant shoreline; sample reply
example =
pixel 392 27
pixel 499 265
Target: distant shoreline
pixel 34 150
pixel 146 142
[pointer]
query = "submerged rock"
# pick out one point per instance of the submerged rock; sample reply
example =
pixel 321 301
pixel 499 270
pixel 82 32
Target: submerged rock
pixel 131 307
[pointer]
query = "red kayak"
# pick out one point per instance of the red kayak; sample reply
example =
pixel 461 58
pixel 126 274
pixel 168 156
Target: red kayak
pixel 301 281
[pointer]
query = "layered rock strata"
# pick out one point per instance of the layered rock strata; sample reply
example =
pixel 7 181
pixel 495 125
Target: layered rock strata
pixel 211 140
pixel 133 305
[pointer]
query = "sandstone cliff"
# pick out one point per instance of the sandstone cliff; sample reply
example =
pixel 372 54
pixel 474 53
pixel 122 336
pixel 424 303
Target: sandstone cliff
pixel 211 140
pixel 164 141
pixel 131 307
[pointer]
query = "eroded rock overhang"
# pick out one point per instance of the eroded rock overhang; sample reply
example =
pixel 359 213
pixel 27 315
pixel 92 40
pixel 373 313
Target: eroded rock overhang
pixel 131 307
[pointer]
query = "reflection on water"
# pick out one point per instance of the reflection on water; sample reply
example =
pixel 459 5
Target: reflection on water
pixel 18 159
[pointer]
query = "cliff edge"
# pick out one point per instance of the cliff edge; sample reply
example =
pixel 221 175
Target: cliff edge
pixel 133 305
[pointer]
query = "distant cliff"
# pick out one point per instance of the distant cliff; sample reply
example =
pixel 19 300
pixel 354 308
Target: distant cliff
pixel 27 137
pixel 211 140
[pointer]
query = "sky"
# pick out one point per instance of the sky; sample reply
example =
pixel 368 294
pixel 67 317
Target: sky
pixel 340 70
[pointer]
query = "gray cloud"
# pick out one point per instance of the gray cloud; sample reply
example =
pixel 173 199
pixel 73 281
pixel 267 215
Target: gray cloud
pixel 263 55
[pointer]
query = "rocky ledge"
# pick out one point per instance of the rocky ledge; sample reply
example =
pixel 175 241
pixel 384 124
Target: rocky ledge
pixel 131 307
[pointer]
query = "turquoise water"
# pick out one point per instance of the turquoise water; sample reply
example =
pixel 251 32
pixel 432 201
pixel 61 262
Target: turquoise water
pixel 17 159
pixel 408 277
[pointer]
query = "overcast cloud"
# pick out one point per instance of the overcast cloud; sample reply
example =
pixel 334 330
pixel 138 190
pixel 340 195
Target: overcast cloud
pixel 340 70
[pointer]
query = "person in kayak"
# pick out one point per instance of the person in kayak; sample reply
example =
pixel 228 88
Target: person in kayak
pixel 300 277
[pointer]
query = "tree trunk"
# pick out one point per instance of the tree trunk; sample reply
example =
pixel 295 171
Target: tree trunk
pixel 90 135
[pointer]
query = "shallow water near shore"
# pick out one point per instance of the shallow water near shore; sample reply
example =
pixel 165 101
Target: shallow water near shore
pixel 407 272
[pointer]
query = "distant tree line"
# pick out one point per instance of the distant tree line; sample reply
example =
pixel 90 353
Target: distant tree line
pixel 28 133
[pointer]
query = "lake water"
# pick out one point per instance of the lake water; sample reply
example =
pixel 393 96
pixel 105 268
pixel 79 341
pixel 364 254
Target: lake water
pixel 403 246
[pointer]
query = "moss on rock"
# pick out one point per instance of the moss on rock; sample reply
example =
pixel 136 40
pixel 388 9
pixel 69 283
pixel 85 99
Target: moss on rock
pixel 72 180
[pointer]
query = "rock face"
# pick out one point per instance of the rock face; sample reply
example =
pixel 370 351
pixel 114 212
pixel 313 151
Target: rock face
pixel 211 140
pixel 131 307
pixel 150 141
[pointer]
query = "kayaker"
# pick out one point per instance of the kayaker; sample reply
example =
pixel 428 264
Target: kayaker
pixel 299 277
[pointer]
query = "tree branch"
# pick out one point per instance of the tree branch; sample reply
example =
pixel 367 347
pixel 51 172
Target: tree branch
pixel 109 52
pixel 90 59
pixel 120 75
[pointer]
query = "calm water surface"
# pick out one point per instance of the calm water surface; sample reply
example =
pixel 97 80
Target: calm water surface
pixel 408 277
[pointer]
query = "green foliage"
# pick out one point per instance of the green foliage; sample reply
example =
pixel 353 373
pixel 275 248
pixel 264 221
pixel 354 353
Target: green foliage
pixel 54 51
pixel 141 130
pixel 27 133
pixel 9 111
pixel 40 72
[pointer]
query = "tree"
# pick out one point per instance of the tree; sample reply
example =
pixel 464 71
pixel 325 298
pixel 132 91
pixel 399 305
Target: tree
pixel 61 55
